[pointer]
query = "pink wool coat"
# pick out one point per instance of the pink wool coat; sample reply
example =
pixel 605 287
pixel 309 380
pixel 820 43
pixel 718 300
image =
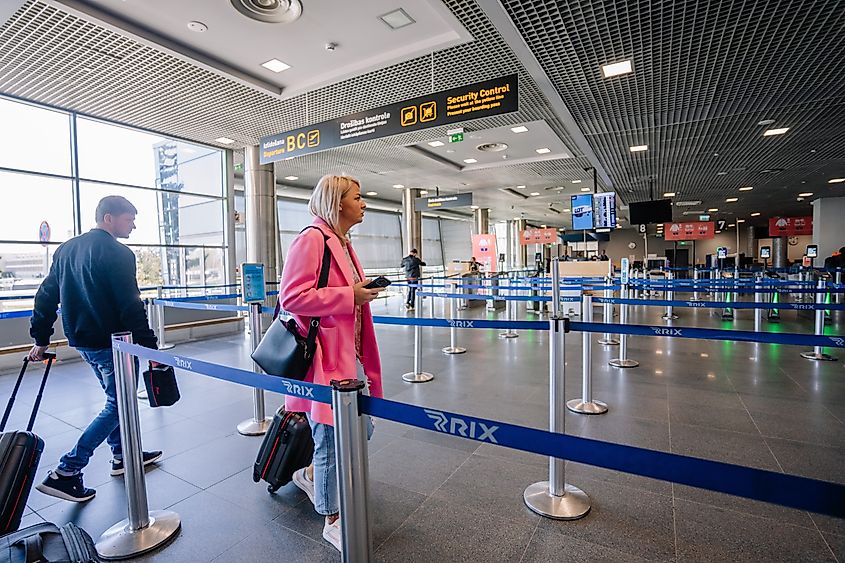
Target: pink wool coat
pixel 335 305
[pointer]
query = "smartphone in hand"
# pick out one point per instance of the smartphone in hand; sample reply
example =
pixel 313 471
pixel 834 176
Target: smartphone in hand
pixel 380 281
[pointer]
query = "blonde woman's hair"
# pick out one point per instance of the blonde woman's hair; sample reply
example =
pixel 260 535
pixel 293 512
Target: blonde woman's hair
pixel 325 199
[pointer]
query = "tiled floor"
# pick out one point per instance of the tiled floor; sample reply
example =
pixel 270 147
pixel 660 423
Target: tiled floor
pixel 439 498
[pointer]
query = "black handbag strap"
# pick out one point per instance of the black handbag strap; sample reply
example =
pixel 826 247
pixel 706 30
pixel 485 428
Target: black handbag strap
pixel 314 325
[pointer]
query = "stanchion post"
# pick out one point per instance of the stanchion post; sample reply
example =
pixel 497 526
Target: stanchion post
pixel 586 404
pixel 758 298
pixel 838 283
pixel 669 315
pixel 259 423
pixel 818 353
pixel 608 339
pixel 350 434
pixel 695 283
pixel 160 321
pixel 510 313
pixel 623 361
pixel 418 375
pixel 555 498
pixel 453 347
pixel 143 530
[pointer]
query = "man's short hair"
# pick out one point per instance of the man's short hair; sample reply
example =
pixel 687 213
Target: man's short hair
pixel 113 205
pixel 842 250
pixel 413 251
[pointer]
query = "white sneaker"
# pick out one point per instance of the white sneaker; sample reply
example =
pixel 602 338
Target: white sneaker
pixel 331 533
pixel 301 480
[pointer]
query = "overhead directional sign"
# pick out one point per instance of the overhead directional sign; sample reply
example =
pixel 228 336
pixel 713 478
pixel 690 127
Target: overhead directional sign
pixel 482 99
pixel 441 201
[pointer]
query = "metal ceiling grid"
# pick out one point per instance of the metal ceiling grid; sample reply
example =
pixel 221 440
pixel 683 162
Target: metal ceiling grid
pixel 705 72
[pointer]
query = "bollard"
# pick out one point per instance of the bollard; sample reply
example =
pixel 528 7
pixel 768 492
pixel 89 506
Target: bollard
pixel 623 361
pixel 586 404
pixel 160 321
pixel 417 376
pixel 608 339
pixel 143 530
pixel 259 423
pixel 350 435
pixel 556 498
pixel 669 315
pixel 818 351
pixel 695 284
pixel 510 313
pixel 758 298
pixel 453 347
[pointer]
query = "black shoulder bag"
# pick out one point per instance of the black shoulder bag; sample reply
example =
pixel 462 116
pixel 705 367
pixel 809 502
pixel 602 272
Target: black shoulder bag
pixel 283 351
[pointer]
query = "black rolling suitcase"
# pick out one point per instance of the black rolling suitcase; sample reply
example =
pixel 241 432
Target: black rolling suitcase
pixel 287 447
pixel 20 453
pixel 46 543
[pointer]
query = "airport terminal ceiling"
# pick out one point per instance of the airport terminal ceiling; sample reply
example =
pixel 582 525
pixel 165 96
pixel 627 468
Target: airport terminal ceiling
pixel 708 79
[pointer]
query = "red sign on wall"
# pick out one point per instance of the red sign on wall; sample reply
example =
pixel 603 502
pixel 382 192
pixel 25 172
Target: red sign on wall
pixel 538 236
pixel 484 250
pixel 790 226
pixel 697 230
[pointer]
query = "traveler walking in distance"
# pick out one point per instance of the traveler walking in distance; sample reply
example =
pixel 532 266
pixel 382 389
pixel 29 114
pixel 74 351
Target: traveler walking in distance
pixel 346 339
pixel 93 277
pixel 411 263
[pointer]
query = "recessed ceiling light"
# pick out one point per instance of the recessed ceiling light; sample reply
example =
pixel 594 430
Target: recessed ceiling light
pixel 521 187
pixel 585 189
pixel 732 225
pixel 755 214
pixel 473 207
pixel 731 199
pixel 765 122
pixel 291 178
pixel 224 140
pixel 836 180
pixel 576 181
pixel 544 150
pixel 372 193
pixel 519 129
pixel 740 220
pixel 639 148
pixel 669 194
pixel 275 65
pixel 616 69
pixel 770 132
pixel 436 143
pixel 746 188
pixel 713 210
pixel 800 199
pixel 604 230
pixel 721 173
pixel 423 192
pixel 535 193
pixel 470 160
pixel 397 19
pixel 567 210
pixel 805 194
pixel 398 186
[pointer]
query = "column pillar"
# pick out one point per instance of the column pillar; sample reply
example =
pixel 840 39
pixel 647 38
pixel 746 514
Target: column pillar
pixel 411 223
pixel 827 225
pixel 751 242
pixel 520 250
pixel 262 231
pixel 481 221
pixel 779 248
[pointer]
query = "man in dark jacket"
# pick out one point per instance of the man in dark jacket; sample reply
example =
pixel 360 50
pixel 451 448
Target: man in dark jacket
pixel 411 263
pixel 93 277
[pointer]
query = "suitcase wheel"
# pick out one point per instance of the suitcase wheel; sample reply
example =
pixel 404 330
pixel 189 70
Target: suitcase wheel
pixel 271 489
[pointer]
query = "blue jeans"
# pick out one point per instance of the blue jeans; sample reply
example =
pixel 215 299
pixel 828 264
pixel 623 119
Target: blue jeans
pixel 106 425
pixel 325 463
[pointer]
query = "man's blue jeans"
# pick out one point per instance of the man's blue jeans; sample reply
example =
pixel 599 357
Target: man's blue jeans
pixel 105 426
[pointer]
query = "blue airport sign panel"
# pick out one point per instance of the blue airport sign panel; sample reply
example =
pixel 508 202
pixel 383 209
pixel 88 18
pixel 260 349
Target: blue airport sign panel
pixel 582 212
pixel 252 281
pixel 482 99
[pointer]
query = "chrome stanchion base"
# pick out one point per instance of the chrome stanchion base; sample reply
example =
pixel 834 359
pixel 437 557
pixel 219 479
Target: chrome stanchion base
pixel 727 316
pixel 119 542
pixel 508 334
pixel 454 350
pixel 669 317
pixel 421 377
pixel 589 407
pixel 166 346
pixel 608 341
pixel 619 363
pixel 819 357
pixel 252 427
pixel 574 504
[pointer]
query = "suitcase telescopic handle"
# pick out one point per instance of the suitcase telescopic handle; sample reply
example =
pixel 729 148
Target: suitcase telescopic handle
pixel 49 357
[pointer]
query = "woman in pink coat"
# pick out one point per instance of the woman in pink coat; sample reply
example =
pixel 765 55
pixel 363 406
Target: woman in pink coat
pixel 346 340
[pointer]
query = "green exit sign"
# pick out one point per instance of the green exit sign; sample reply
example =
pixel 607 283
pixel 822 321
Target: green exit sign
pixel 456 138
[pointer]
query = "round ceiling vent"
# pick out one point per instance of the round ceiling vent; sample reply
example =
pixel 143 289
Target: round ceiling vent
pixel 269 11
pixel 492 147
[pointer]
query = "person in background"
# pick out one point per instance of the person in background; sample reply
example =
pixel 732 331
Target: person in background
pixel 604 257
pixel 346 340
pixel 93 277
pixel 474 265
pixel 836 260
pixel 411 263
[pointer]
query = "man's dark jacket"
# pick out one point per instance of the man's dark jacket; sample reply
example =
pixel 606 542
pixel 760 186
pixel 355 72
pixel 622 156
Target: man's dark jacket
pixel 93 277
pixel 412 266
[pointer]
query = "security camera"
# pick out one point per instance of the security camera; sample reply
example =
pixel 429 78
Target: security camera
pixel 331 46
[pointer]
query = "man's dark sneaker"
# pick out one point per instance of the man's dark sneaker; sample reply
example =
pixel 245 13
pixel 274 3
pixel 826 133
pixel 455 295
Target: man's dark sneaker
pixel 117 464
pixel 66 488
